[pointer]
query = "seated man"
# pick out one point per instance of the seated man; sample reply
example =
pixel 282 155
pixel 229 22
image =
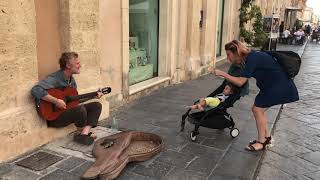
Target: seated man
pixel 286 36
pixel 84 116
pixel 300 36
pixel 315 35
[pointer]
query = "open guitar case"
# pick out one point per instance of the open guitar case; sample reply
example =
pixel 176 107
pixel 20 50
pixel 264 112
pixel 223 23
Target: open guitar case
pixel 114 152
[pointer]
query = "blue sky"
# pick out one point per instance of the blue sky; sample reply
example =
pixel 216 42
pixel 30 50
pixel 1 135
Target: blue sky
pixel 315 4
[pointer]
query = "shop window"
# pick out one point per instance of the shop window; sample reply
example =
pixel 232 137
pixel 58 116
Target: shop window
pixel 143 40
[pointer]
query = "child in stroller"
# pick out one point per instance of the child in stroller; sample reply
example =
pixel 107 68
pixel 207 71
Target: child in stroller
pixel 212 102
pixel 217 117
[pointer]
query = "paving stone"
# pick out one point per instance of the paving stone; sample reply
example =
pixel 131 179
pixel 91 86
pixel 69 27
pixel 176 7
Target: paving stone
pixel 200 150
pixel 294 166
pixel 186 135
pixel 220 143
pixel 237 163
pixel 312 143
pixel 183 174
pixel 313 175
pixel 302 177
pixel 316 114
pixel 39 161
pixel 70 163
pixel 317 126
pixel 156 170
pixel 18 173
pixel 202 165
pixel 288 149
pixel 303 130
pixel 5 168
pixel 82 168
pixel 132 176
pixel 175 158
pixel 270 172
pixel 60 175
pixel 313 157
pixel 171 138
pixel 284 135
pixel 226 177
pixel 290 124
pixel 167 122
pixel 308 119
pixel 47 170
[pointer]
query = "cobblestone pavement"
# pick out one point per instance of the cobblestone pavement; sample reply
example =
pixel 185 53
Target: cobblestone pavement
pixel 295 153
pixel 215 155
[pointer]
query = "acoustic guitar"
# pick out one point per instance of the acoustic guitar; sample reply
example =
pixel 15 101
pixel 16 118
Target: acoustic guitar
pixel 50 112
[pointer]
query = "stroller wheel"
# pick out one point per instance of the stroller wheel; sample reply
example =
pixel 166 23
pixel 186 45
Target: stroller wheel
pixel 234 132
pixel 193 137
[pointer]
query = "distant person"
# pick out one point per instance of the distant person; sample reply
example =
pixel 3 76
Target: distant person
pixel 281 28
pixel 287 36
pixel 299 36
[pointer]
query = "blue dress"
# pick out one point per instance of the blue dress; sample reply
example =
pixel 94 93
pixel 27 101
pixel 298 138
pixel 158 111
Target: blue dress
pixel 274 84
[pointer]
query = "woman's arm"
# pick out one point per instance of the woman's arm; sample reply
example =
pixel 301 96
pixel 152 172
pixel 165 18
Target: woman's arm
pixel 239 81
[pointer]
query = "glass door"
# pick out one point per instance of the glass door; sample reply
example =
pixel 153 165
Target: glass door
pixel 143 40
pixel 220 27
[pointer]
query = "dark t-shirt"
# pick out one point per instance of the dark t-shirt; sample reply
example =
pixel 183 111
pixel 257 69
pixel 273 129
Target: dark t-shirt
pixel 274 84
pixel 236 70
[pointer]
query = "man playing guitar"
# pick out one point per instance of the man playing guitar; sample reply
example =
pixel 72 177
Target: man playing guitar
pixel 84 116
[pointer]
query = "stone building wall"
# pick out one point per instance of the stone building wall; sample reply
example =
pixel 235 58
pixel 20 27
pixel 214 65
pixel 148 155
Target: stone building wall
pixel 21 128
pixel 35 32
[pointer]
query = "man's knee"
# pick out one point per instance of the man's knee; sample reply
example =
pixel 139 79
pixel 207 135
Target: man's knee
pixel 94 105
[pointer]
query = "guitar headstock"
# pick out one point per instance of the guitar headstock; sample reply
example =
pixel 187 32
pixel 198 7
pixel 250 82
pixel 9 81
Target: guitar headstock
pixel 105 90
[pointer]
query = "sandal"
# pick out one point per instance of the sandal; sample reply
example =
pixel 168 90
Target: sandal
pixel 268 140
pixel 83 139
pixel 250 147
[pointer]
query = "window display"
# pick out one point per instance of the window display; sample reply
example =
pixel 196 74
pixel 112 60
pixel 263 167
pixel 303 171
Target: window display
pixel 143 40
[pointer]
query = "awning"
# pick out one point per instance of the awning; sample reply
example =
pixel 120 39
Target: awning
pixel 290 8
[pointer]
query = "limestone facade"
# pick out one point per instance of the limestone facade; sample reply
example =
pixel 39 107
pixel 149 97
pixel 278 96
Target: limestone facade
pixel 284 9
pixel 35 32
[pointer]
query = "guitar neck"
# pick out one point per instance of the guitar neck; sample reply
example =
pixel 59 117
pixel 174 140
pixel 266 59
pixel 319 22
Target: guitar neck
pixel 79 97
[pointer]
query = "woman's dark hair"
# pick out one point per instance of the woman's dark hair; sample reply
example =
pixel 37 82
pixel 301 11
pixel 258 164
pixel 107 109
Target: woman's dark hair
pixel 238 48
pixel 65 58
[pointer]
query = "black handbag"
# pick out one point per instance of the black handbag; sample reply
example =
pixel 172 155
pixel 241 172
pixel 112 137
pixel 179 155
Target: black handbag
pixel 289 61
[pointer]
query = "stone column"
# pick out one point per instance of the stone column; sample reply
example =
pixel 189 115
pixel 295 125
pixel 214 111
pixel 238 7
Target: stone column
pixel 79 32
pixel 209 33
pixel 193 38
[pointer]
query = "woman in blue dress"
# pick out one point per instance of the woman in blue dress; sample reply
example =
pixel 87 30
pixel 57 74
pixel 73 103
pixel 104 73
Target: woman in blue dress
pixel 274 84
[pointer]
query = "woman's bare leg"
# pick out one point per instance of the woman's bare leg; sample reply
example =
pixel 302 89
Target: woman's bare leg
pixel 261 123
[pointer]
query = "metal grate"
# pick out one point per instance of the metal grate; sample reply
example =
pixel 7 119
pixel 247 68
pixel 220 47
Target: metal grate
pixel 39 161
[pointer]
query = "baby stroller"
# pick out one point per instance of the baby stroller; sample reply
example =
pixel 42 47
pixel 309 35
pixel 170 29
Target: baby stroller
pixel 215 118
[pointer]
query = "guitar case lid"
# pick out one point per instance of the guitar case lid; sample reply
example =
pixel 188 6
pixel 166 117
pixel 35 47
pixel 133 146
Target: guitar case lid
pixel 114 152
